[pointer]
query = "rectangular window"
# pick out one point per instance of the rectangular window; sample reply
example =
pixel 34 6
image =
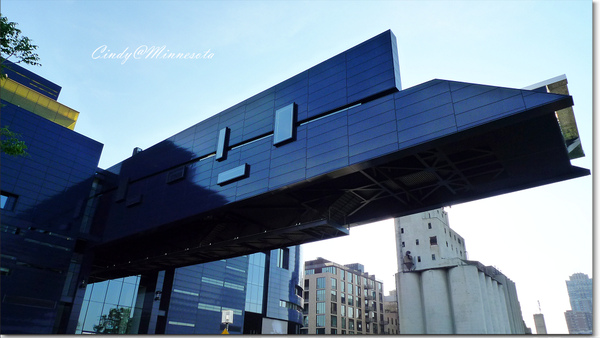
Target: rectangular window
pixel 321 295
pixel 320 307
pixel 333 296
pixel 284 130
pixel 222 144
pixel 306 283
pixel 321 320
pixel 343 298
pixel 333 331
pixel 428 225
pixel 401 230
pixel 343 311
pixel 7 201
pixel 330 269
pixel 418 258
pixel 321 283
pixel 333 321
pixel 417 242
pixel 283 258
pixel 350 324
pixel 306 294
pixel 343 285
pixel 234 174
pixel 321 330
pixel 433 257
pixel 334 308
pixel 333 283
pixel 350 290
pixel 433 240
pixel 358 290
pixel 403 244
pixel 343 320
pixel 350 299
pixel 350 312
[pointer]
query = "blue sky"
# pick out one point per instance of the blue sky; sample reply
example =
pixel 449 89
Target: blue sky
pixel 537 237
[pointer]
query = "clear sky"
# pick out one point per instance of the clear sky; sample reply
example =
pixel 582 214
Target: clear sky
pixel 537 237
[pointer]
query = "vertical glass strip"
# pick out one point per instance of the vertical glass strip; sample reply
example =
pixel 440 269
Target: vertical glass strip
pixel 285 128
pixel 222 144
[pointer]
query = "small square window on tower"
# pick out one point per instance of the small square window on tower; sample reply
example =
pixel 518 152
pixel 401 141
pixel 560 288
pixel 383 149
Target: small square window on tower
pixel 433 240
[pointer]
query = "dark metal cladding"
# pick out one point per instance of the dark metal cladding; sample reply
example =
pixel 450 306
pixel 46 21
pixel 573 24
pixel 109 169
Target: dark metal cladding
pixel 362 150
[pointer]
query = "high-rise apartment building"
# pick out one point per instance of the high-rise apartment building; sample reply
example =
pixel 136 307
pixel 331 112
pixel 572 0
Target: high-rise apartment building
pixel 341 299
pixel 440 291
pixel 579 318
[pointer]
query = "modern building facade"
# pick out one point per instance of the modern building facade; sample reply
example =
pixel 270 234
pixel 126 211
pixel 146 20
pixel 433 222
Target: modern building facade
pixel 337 145
pixel 390 314
pixel 44 213
pixel 263 290
pixel 341 299
pixel 580 317
pixel 440 291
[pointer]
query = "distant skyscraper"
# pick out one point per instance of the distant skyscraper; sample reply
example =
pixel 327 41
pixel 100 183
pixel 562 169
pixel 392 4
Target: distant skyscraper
pixel 540 323
pixel 440 291
pixel 579 318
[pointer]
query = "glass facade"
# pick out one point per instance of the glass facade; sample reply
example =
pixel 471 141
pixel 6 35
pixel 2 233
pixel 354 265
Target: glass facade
pixel 109 307
pixel 190 300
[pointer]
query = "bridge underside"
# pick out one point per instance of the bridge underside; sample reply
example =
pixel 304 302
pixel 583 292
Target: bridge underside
pixel 507 155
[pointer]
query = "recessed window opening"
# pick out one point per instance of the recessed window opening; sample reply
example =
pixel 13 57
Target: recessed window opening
pixel 429 225
pixel 433 257
pixel 417 242
pixel 433 240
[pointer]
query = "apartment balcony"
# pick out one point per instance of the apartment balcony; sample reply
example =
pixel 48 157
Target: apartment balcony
pixel 369 308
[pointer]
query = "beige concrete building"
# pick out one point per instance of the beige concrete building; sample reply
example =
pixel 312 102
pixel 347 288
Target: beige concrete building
pixel 341 299
pixel 440 291
pixel 390 313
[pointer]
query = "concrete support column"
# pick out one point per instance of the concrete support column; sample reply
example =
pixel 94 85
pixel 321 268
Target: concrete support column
pixel 438 312
pixel 467 304
pixel 410 306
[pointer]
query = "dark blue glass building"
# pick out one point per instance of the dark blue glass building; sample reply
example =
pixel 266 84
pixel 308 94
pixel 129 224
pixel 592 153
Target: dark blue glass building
pixel 44 205
pixel 210 218
pixel 263 291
